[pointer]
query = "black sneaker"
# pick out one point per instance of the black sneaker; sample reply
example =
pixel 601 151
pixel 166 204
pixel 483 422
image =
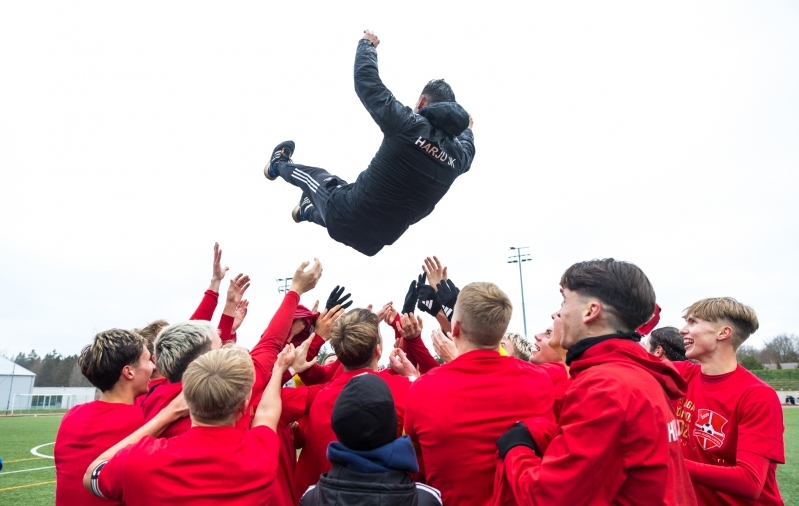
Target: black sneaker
pixel 299 211
pixel 283 151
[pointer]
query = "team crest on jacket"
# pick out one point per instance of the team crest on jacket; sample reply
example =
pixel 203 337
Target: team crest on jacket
pixel 709 427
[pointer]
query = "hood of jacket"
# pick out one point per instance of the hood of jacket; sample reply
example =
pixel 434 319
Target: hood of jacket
pixel 449 117
pixel 622 349
pixel 398 455
pixel 309 317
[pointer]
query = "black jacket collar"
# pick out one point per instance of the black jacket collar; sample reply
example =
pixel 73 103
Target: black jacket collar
pixel 581 347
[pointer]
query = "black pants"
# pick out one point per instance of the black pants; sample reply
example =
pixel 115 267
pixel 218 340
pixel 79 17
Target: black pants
pixel 315 183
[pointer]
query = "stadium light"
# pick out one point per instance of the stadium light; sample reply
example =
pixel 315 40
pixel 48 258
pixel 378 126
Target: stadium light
pixel 283 284
pixel 518 258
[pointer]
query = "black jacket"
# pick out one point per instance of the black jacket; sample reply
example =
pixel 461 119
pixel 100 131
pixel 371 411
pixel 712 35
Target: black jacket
pixel 343 487
pixel 419 159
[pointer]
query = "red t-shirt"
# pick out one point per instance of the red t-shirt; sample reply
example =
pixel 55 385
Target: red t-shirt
pixel 204 466
pixel 318 430
pixel 86 431
pixel 722 415
pixel 159 398
pixel 457 412
pixel 153 383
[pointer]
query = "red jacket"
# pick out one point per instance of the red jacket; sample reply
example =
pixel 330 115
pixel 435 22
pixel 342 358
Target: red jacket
pixel 618 438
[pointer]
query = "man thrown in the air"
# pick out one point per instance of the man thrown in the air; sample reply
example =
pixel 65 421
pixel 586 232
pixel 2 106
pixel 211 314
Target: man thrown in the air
pixel 424 149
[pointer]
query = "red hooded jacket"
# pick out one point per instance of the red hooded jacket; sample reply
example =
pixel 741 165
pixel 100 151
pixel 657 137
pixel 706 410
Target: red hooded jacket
pixel 618 437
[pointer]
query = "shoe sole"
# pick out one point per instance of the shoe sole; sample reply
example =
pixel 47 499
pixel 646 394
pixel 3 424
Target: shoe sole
pixel 295 214
pixel 266 173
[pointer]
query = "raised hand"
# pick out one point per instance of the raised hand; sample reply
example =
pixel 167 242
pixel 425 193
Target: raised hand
pixel 436 273
pixel 371 37
pixel 285 358
pixel 412 297
pixel 400 363
pixel 218 273
pixel 410 326
pixel 336 299
pixel 447 296
pixel 239 314
pixel 238 286
pixel 383 311
pixel 300 363
pixel 305 281
pixel 326 320
pixel 428 301
pixel 444 346
pixel 315 308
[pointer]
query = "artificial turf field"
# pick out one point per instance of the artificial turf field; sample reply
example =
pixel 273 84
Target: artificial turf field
pixel 30 480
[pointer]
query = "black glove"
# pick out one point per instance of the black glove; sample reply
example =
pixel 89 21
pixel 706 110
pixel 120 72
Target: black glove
pixel 518 435
pixel 428 302
pixel 447 296
pixel 413 294
pixel 336 299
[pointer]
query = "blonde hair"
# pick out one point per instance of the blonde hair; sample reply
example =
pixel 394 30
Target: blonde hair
pixel 484 312
pixel 217 383
pixel 741 318
pixel 355 337
pixel 521 346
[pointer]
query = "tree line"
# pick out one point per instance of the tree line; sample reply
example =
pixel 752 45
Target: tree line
pixel 53 370
pixel 777 350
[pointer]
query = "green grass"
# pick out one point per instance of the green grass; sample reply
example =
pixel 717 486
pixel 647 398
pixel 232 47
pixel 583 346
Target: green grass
pixel 20 434
pixel 35 488
pixel 788 475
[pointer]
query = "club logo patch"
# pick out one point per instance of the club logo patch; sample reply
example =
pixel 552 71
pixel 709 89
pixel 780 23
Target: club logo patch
pixel 709 429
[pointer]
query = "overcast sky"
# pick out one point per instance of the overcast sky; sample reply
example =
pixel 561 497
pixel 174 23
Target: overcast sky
pixel 134 134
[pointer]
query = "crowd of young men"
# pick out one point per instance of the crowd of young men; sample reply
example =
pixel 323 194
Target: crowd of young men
pixel 583 414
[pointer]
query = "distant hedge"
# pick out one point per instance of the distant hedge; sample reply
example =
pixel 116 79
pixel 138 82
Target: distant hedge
pixel 780 379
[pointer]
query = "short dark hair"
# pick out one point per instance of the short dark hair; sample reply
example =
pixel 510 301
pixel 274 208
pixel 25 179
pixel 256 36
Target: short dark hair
pixel 438 91
pixel 150 332
pixel 621 286
pixel 103 360
pixel 355 337
pixel 670 340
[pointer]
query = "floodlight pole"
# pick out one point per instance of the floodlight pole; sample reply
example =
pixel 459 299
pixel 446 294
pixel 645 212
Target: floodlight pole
pixel 518 259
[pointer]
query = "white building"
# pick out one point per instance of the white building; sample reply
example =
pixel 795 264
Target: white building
pixel 14 379
pixel 57 397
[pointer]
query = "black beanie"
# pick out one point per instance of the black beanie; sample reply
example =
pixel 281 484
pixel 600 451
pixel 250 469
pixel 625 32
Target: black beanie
pixel 364 417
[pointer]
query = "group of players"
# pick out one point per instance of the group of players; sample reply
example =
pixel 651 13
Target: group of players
pixel 584 414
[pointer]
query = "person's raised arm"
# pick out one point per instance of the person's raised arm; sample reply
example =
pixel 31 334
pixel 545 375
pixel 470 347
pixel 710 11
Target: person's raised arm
pixel 389 114
pixel 270 407
pixel 411 329
pixel 316 373
pixel 466 141
pixel 274 337
pixel 205 311
pixel 235 292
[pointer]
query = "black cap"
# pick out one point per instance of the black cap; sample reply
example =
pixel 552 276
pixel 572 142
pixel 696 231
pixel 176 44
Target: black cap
pixel 364 417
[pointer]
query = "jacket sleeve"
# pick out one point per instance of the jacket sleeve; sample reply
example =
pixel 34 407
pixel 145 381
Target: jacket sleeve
pixel 205 311
pixel 466 140
pixel 579 466
pixel 266 351
pixel 421 355
pixel 320 374
pixel 389 114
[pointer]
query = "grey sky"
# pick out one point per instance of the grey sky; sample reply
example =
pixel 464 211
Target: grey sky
pixel 133 136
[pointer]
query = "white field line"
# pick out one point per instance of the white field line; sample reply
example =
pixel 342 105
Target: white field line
pixel 35 451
